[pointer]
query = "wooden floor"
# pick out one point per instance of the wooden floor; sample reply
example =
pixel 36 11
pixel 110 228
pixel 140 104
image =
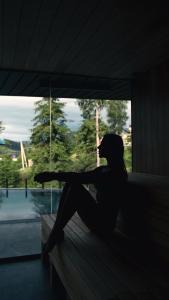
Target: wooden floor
pixel 92 269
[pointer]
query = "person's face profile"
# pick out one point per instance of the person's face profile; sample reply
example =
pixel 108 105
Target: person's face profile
pixel 102 149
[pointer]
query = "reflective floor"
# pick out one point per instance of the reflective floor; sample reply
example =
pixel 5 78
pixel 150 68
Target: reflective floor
pixel 19 238
pixel 28 280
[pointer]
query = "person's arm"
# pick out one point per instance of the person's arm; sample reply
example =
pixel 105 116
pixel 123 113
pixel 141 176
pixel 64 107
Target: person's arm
pixel 84 177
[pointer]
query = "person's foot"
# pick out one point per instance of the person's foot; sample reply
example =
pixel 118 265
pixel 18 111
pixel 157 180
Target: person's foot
pixel 55 238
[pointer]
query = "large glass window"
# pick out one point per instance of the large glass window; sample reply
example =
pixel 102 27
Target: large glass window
pixel 48 134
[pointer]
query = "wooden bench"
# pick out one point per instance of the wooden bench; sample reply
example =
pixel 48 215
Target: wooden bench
pixel 154 209
pixel 91 268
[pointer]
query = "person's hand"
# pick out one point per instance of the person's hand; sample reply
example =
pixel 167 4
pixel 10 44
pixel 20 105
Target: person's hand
pixel 44 176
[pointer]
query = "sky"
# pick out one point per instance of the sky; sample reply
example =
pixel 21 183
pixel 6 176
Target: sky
pixel 17 113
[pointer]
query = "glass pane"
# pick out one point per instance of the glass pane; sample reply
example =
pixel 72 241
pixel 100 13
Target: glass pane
pixel 48 134
pixel 22 200
pixel 19 204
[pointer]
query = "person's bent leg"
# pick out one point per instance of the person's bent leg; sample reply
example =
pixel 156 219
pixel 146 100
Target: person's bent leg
pixel 60 234
pixel 99 219
pixel 62 201
pixel 88 210
pixel 74 196
pixel 63 198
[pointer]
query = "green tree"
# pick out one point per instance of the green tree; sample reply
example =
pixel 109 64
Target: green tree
pixel 128 151
pixel 91 109
pixel 45 157
pixel 9 170
pixel 128 158
pixel 89 135
pixel 117 115
pixel 85 148
pixel 116 119
pixel 88 107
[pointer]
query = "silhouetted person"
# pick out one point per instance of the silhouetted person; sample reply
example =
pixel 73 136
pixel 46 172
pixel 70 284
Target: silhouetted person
pixel 98 214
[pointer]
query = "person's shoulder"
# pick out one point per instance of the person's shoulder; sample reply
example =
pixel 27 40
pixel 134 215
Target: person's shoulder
pixel 103 169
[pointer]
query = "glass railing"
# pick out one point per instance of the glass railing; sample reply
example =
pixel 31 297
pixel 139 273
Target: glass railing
pixel 20 215
pixel 25 203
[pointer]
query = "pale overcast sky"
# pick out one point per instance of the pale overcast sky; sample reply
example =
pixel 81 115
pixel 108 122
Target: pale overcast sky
pixel 16 114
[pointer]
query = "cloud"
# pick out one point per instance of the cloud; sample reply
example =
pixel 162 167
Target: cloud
pixel 17 113
pixel 69 102
pixel 18 102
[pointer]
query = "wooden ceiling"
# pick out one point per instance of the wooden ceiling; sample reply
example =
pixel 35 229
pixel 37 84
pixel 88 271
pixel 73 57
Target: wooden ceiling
pixel 89 49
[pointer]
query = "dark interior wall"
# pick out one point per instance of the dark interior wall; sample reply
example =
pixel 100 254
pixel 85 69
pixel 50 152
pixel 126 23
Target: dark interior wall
pixel 150 121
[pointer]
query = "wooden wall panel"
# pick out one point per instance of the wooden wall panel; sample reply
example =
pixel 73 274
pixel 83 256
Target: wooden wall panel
pixel 150 121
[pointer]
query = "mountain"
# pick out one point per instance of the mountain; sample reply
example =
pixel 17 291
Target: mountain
pixel 10 147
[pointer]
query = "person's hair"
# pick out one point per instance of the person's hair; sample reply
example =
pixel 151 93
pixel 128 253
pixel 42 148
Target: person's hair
pixel 114 144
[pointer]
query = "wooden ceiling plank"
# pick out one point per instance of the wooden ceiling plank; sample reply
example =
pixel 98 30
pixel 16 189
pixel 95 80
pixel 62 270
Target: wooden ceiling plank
pixel 26 27
pixel 146 38
pixel 1 30
pixel 88 29
pixel 11 15
pixel 124 37
pixel 11 82
pixel 25 81
pixel 42 31
pixel 94 38
pixel 34 84
pixel 112 28
pixel 74 27
pixel 4 75
pixel 145 53
pixel 40 92
pixel 81 85
pixel 62 94
pixel 57 33
pixel 97 39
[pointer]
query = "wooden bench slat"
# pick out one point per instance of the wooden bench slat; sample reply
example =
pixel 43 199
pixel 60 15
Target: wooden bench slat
pixel 117 270
pixel 92 269
pixel 143 275
pixel 82 264
pixel 95 263
pixel 73 282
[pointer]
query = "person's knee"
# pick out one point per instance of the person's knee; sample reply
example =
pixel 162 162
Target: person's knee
pixel 74 187
pixel 73 190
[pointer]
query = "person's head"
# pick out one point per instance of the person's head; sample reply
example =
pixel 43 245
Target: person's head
pixel 111 146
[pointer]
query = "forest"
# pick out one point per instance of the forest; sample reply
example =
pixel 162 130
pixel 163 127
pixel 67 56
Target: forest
pixel 54 146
